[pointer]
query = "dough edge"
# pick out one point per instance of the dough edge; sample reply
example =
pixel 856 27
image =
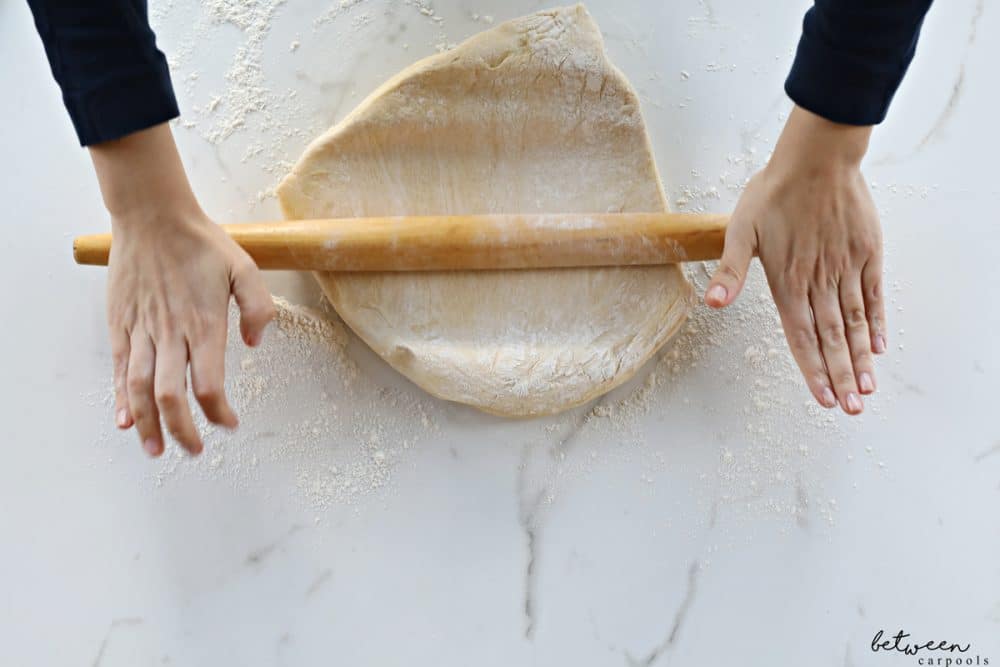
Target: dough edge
pixel 484 46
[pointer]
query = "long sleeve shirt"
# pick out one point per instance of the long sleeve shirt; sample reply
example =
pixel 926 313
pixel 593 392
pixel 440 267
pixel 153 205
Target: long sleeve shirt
pixel 853 55
pixel 850 60
pixel 103 55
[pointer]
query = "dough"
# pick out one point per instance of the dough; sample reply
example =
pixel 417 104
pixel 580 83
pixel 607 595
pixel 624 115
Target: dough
pixel 529 117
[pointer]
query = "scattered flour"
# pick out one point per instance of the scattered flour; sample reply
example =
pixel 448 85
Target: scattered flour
pixel 273 122
pixel 771 465
pixel 345 442
pixel 339 446
pixel 336 458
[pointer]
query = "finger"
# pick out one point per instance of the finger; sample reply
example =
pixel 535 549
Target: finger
pixel 731 275
pixel 871 284
pixel 254 301
pixel 859 340
pixel 119 357
pixel 171 394
pixel 208 369
pixel 139 384
pixel 833 344
pixel 800 330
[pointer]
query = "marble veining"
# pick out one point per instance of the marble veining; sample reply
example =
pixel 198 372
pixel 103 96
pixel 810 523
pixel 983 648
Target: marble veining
pixel 673 635
pixel 983 455
pixel 116 625
pixel 956 89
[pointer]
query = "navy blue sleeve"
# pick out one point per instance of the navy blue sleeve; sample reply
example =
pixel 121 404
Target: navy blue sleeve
pixel 103 55
pixel 852 57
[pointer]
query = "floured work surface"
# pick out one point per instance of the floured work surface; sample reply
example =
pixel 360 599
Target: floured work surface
pixel 529 117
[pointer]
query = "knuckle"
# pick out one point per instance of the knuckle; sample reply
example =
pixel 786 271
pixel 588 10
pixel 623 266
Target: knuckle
pixel 844 378
pixel 797 274
pixel 801 338
pixel 727 269
pixel 119 357
pixel 168 399
pixel 863 358
pixel 208 392
pixel 833 336
pixel 874 293
pixel 818 378
pixel 198 322
pixel 855 317
pixel 179 430
pixel 863 245
pixel 139 382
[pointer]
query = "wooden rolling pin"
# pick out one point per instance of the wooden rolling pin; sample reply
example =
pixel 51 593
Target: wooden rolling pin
pixel 467 242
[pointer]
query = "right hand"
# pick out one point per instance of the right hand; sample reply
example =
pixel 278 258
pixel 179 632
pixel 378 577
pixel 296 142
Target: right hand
pixel 169 282
pixel 170 275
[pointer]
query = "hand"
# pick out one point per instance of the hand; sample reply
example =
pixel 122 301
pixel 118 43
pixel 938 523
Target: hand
pixel 170 276
pixel 810 218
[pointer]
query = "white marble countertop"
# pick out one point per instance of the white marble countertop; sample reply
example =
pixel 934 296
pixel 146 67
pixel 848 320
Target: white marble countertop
pixel 701 515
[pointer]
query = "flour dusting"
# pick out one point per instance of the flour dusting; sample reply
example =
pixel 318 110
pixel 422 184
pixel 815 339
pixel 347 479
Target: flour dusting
pixel 333 455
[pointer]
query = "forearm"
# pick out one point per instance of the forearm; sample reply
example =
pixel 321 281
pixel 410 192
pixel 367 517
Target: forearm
pixel 142 177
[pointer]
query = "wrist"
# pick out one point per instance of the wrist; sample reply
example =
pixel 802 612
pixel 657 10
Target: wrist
pixel 812 143
pixel 142 179
pixel 158 223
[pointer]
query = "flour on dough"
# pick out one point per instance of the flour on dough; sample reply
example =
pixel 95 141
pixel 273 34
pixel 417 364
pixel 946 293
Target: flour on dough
pixel 529 117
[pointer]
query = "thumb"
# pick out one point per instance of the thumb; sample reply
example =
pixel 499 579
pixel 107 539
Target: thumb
pixel 254 301
pixel 728 279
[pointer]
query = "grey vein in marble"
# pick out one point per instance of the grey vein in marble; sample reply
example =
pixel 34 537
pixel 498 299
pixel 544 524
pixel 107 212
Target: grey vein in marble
pixel 908 386
pixel 713 513
pixel 529 502
pixel 801 504
pixel 115 624
pixel 848 661
pixel 259 555
pixel 319 581
pixel 947 112
pixel 283 641
pixel 675 628
pixel 957 88
pixel 982 456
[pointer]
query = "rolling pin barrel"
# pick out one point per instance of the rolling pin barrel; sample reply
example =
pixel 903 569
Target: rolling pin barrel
pixel 488 242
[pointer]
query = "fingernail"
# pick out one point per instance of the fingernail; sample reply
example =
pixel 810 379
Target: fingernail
pixel 829 400
pixel 717 294
pixel 122 418
pixel 854 403
pixel 866 383
pixel 151 446
pixel 879 344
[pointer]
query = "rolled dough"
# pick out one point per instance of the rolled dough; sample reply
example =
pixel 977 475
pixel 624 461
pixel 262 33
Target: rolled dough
pixel 529 117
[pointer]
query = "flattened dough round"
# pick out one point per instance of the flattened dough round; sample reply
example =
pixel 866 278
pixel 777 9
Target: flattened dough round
pixel 529 117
